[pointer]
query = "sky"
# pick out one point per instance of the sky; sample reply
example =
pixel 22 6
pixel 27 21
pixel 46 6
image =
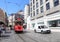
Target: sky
pixel 13 6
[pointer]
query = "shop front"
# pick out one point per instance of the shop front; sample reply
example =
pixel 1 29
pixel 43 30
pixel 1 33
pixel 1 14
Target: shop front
pixel 54 20
pixel 54 23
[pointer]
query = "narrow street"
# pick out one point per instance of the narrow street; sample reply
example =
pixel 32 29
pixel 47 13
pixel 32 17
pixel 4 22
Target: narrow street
pixel 30 36
pixel 30 17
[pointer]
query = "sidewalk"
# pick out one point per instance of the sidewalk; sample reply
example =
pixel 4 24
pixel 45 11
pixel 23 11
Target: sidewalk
pixel 52 30
pixel 55 30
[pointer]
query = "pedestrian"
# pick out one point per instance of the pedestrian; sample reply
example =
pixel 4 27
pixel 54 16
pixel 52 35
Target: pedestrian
pixel 4 28
pixel 0 30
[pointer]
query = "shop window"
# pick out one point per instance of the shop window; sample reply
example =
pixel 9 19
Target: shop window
pixel 58 23
pixel 53 23
pixel 33 25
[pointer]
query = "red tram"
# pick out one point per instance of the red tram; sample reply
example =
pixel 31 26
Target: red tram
pixel 18 27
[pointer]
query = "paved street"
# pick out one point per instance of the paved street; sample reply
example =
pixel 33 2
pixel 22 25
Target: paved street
pixel 30 36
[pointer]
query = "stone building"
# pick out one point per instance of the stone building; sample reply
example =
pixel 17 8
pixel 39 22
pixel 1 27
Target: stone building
pixel 45 12
pixel 3 17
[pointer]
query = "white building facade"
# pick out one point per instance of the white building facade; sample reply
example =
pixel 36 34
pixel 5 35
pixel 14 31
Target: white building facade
pixel 45 12
pixel 11 19
pixel 27 16
pixel 26 12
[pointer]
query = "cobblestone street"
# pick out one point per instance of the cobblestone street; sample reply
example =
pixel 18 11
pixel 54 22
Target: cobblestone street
pixel 30 36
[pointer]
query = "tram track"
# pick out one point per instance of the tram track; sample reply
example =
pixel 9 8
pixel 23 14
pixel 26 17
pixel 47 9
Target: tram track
pixel 31 38
pixel 24 40
pixel 21 38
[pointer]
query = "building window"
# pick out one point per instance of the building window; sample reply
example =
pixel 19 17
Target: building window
pixel 46 0
pixel 41 9
pixel 28 14
pixel 56 2
pixel 58 23
pixel 37 5
pixel 34 7
pixel 41 2
pixel 47 6
pixel 33 13
pixel 36 0
pixel 31 9
pixel 37 11
pixel 33 1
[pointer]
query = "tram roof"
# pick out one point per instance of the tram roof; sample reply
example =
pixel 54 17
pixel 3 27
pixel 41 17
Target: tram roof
pixel 18 21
